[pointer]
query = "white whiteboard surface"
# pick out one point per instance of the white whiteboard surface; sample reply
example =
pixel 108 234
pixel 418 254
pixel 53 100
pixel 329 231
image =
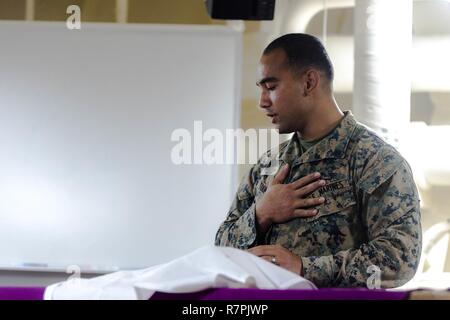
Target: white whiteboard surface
pixel 86 117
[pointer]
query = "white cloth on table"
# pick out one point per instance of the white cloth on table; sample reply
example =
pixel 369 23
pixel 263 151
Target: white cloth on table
pixel 207 267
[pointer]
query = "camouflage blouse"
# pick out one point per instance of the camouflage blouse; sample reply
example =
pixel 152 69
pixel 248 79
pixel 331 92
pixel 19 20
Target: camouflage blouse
pixel 370 219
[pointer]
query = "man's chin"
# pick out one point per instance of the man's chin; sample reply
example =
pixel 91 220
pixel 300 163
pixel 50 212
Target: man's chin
pixel 282 130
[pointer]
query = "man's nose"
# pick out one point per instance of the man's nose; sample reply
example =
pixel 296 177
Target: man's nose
pixel 264 100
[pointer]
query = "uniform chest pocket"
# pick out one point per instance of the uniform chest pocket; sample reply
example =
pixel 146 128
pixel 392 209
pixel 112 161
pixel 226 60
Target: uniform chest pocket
pixel 265 181
pixel 339 198
pixel 262 185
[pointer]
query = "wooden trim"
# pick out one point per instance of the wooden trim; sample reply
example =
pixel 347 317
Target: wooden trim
pixel 122 11
pixel 29 10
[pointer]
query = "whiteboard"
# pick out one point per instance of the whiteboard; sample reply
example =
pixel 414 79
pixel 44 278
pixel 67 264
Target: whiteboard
pixel 86 118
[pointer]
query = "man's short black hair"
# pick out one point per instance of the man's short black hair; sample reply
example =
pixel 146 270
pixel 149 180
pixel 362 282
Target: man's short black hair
pixel 302 51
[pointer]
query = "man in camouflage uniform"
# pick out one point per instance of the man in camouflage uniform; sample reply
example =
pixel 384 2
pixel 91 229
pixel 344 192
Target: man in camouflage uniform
pixel 343 203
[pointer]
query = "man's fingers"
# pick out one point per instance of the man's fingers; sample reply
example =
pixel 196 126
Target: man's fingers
pixel 266 250
pixel 302 213
pixel 297 184
pixel 281 175
pixel 309 202
pixel 309 188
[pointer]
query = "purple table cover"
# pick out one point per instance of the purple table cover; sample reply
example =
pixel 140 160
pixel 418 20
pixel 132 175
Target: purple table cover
pixel 37 293
pixel 22 293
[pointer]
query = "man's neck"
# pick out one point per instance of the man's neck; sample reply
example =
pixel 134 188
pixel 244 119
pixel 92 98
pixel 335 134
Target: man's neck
pixel 324 119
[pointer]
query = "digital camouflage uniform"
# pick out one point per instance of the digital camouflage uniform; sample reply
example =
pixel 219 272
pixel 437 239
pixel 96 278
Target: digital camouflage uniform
pixel 371 216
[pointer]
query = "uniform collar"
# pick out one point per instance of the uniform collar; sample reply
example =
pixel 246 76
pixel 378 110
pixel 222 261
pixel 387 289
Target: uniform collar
pixel 331 147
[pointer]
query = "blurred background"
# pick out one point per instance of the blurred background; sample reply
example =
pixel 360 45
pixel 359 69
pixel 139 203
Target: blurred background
pixel 410 100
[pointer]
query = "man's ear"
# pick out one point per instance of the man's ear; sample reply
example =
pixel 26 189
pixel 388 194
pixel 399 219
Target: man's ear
pixel 311 81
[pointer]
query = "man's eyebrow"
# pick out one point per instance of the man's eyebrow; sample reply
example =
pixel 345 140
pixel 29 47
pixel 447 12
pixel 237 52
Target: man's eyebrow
pixel 265 80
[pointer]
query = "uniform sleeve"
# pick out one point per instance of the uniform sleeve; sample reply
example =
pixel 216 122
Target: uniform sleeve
pixel 389 205
pixel 239 228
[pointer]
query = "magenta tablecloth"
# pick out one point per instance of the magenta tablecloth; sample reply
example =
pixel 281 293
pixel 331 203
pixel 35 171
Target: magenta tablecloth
pixel 37 293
